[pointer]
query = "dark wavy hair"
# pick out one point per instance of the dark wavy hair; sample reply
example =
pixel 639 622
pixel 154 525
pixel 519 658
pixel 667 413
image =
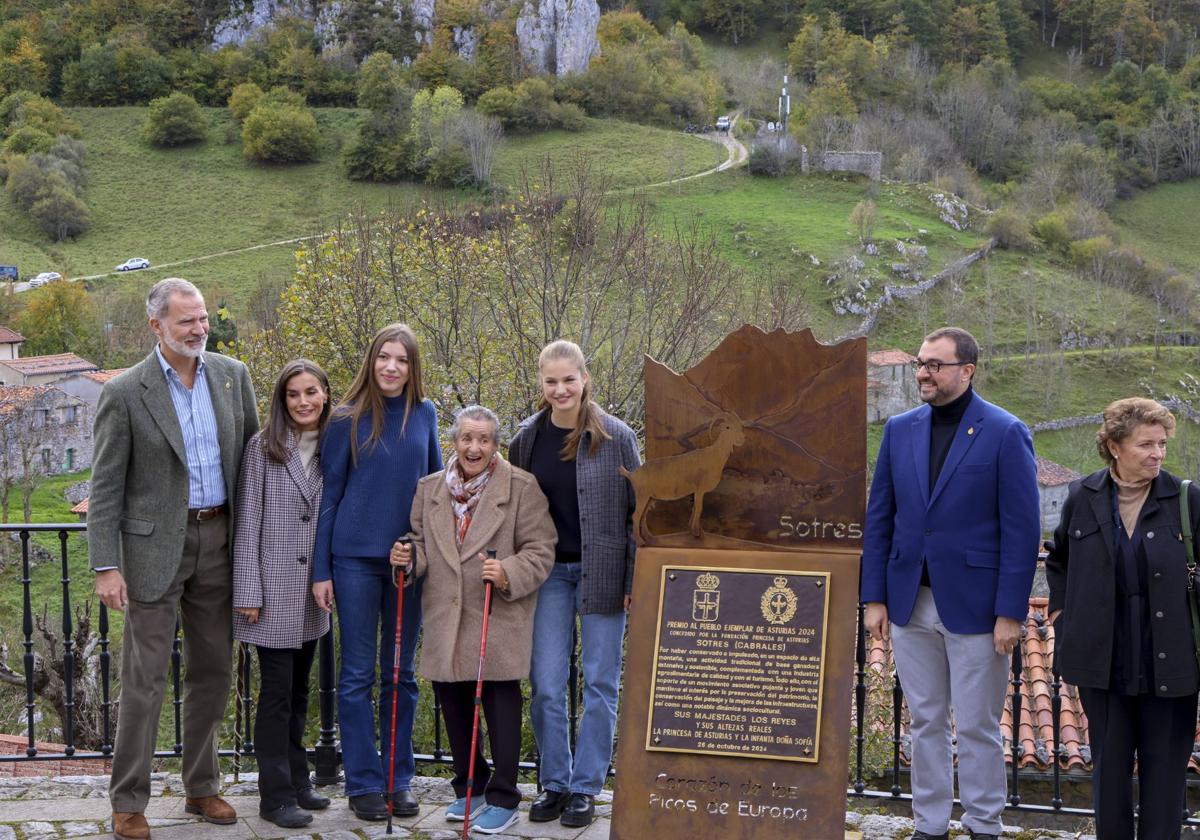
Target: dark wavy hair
pixel 279 421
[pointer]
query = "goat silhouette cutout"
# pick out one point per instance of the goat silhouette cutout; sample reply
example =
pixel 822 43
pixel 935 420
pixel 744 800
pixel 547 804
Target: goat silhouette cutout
pixel 686 474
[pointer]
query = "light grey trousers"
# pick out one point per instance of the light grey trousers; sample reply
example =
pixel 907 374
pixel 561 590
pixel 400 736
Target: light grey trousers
pixel 942 672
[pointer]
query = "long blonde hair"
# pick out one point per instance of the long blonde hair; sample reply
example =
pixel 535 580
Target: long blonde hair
pixel 364 396
pixel 590 417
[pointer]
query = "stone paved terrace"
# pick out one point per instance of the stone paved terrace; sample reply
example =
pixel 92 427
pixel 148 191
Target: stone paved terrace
pixel 56 808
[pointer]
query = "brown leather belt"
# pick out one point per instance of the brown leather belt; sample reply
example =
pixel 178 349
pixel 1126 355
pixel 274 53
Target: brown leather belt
pixel 205 514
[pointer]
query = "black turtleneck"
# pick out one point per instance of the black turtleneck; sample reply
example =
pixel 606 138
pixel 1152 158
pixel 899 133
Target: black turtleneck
pixel 941 435
pixel 942 430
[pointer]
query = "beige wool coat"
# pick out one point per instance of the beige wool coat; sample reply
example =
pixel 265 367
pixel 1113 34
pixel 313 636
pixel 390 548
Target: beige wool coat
pixel 512 517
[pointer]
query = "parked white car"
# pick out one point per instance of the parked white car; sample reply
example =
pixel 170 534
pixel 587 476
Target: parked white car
pixel 44 278
pixel 722 123
pixel 133 264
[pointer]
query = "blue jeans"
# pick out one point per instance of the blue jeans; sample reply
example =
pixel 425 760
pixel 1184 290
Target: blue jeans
pixel 366 612
pixel 601 635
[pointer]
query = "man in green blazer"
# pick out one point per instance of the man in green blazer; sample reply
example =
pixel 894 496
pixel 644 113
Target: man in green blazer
pixel 169 435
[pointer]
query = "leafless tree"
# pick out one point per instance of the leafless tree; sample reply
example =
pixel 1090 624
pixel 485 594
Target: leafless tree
pixel 50 678
pixel 1182 123
pixel 487 289
pixel 754 85
pixel 481 135
pixel 1154 144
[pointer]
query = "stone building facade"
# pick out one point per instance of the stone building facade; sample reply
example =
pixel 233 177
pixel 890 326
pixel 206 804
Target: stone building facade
pixel 43 431
pixel 891 386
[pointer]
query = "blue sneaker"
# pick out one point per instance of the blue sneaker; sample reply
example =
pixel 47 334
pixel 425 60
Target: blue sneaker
pixel 494 820
pixel 454 813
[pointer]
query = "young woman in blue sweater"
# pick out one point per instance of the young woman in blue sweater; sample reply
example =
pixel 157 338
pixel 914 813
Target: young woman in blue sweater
pixel 381 441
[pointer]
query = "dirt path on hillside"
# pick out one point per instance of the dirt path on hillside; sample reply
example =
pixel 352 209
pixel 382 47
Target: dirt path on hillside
pixel 190 260
pixel 737 155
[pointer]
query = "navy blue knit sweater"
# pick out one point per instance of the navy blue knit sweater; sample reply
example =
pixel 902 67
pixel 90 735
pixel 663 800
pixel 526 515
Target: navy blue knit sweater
pixel 366 506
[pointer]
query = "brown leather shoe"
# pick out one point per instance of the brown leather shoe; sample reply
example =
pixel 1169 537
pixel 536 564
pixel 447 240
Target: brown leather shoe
pixel 130 825
pixel 213 809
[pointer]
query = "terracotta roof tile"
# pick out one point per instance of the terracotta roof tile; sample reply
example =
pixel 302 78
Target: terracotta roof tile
pixel 103 376
pixel 8 336
pixel 81 507
pixel 57 363
pixel 15 396
pixel 1050 474
pixel 889 357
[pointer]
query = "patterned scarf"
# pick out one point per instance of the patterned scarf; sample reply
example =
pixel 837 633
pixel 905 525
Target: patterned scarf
pixel 465 494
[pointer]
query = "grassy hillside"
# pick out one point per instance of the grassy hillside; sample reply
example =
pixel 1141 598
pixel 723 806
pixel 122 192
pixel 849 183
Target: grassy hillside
pixel 171 205
pixel 771 227
pixel 1162 223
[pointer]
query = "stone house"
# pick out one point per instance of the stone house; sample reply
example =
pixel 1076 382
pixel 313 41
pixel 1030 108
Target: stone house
pixel 87 385
pixel 42 370
pixel 891 386
pixel 1054 480
pixel 43 431
pixel 10 344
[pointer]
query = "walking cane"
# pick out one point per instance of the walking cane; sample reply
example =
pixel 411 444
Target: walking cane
pixel 487 609
pixel 396 685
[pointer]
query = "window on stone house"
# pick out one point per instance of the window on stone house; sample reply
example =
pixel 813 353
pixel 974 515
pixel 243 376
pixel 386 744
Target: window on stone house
pixel 47 460
pixel 70 413
pixel 69 461
pixel 40 417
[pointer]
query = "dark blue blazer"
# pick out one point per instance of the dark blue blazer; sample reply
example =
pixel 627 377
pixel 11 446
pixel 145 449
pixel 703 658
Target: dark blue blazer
pixel 978 527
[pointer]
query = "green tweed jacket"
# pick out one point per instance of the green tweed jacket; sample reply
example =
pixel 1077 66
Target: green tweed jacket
pixel 137 511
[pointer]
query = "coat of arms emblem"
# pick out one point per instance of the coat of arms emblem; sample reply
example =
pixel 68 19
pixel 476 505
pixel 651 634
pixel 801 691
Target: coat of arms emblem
pixel 706 600
pixel 779 602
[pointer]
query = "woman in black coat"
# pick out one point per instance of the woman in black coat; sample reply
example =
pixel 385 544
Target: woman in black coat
pixel 1118 600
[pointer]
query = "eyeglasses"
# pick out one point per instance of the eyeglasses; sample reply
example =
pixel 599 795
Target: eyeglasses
pixel 933 365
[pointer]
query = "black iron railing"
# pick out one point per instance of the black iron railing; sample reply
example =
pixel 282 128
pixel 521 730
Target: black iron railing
pixel 325 752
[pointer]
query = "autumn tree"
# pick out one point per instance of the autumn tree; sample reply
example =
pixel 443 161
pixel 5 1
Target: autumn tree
pixel 59 318
pixel 23 69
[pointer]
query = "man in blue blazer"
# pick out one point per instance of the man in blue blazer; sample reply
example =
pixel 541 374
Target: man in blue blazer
pixel 948 560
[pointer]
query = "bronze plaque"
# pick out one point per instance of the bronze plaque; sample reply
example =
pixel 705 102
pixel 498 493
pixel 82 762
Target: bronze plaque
pixel 800 476
pixel 684 795
pixel 739 663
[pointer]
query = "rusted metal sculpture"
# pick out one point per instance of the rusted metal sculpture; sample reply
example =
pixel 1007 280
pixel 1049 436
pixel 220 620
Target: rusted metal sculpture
pixel 691 473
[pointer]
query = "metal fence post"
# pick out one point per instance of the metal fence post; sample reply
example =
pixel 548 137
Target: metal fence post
pixel 326 759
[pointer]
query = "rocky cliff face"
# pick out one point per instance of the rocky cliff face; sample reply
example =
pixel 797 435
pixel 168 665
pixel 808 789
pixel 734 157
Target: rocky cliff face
pixel 242 22
pixel 558 36
pixel 555 36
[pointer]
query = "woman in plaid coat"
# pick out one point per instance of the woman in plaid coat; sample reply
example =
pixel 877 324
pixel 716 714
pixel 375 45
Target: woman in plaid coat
pixel 279 497
pixel 574 450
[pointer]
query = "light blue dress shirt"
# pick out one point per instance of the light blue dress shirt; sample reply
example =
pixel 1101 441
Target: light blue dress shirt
pixel 198 422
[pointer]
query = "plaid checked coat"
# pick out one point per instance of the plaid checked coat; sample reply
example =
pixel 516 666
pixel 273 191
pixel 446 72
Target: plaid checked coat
pixel 606 504
pixel 273 548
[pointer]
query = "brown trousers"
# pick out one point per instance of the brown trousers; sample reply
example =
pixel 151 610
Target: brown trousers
pixel 202 594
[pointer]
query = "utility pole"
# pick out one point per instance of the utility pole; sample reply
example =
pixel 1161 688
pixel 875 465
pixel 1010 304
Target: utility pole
pixel 785 111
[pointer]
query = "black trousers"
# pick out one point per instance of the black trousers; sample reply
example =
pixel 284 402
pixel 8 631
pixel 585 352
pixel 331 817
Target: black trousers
pixel 502 709
pixel 1159 732
pixel 279 723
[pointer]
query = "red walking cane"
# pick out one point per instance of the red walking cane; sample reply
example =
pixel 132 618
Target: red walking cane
pixel 396 685
pixel 487 610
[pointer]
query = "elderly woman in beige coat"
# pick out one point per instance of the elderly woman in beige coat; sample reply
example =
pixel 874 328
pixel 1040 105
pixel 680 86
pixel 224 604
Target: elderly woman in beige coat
pixel 479 502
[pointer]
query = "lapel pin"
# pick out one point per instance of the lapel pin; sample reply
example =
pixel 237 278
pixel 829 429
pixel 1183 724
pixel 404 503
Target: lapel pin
pixel 970 429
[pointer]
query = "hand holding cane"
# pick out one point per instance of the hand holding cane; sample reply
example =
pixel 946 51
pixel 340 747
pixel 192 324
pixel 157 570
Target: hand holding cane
pixel 399 573
pixel 487 609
